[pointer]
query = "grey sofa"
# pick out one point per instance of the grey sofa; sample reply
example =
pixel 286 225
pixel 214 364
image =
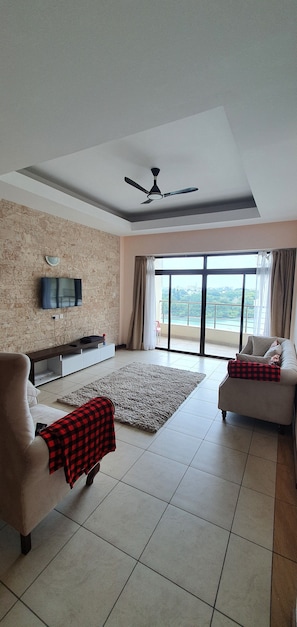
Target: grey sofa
pixel 265 400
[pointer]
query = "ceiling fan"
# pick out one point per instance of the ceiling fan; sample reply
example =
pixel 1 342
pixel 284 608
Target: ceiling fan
pixel 155 193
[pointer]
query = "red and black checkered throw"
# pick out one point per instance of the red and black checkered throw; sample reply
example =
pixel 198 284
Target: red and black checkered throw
pixel 79 440
pixel 253 370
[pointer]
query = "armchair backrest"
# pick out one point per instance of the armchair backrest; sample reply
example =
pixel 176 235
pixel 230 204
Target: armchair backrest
pixel 27 490
pixel 16 424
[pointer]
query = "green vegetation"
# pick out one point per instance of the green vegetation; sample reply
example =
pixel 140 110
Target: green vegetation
pixel 222 302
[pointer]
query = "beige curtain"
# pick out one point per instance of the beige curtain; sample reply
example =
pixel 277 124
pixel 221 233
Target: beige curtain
pixel 135 335
pixel 282 285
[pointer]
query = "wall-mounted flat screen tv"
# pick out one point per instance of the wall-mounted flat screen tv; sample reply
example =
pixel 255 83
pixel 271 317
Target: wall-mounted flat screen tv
pixel 60 292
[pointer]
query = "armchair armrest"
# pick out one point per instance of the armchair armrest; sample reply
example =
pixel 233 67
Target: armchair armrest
pixel 80 439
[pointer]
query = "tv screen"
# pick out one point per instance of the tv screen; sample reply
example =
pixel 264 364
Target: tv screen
pixel 60 292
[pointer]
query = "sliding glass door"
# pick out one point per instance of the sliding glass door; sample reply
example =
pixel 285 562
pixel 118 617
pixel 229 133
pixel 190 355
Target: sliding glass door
pixel 163 288
pixel 205 304
pixel 185 310
pixel 223 314
pixel 178 303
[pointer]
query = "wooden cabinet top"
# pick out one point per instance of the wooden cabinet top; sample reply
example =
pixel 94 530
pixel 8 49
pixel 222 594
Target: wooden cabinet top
pixel 64 349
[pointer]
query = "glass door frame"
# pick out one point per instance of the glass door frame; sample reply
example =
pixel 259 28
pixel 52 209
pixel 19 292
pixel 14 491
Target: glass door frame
pixel 204 273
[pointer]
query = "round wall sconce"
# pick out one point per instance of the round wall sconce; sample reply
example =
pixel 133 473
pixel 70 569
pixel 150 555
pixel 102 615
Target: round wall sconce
pixel 52 261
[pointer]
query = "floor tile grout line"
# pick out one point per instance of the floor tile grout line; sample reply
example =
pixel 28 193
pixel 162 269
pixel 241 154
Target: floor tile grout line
pixel 33 612
pixel 51 559
pixel 163 577
pixel 92 512
pixel 121 481
pixel 120 594
pixel 231 533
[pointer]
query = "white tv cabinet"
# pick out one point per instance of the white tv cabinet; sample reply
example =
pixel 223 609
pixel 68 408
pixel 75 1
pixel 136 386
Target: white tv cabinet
pixel 58 361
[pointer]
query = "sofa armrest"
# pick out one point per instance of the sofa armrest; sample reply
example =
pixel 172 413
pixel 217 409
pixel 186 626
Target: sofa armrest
pixel 288 376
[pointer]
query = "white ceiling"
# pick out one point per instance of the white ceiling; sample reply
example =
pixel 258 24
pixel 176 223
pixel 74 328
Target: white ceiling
pixel 204 90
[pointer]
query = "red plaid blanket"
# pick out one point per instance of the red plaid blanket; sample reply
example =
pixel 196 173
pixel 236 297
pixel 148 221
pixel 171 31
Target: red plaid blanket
pixel 253 370
pixel 80 440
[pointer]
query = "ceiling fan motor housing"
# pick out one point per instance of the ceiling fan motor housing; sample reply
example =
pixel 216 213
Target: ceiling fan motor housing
pixel 155 192
pixel 155 172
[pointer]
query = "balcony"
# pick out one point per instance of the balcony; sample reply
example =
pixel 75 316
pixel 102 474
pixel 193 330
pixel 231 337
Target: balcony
pixel 221 329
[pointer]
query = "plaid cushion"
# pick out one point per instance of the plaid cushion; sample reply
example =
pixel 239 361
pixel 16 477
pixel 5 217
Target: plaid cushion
pixel 253 370
pixel 79 440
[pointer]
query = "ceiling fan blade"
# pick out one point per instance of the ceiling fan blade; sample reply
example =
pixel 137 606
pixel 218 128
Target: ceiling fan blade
pixel 181 191
pixel 130 182
pixel 146 202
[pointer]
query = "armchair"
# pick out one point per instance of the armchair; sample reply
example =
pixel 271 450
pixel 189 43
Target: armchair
pixel 28 492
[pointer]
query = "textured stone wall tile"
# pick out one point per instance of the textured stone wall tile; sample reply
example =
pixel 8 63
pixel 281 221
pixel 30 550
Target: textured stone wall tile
pixel 26 236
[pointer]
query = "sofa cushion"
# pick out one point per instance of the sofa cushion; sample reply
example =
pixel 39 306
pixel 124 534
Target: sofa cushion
pixel 32 394
pixel 253 358
pixel 46 414
pixel 261 344
pixel 274 349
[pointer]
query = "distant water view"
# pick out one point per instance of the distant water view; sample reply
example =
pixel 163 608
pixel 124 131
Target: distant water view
pixel 223 308
pixel 224 324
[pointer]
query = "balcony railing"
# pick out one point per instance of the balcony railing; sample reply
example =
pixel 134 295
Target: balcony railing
pixel 218 315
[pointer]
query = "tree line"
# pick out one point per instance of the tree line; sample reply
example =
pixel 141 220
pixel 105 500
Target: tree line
pixel 224 302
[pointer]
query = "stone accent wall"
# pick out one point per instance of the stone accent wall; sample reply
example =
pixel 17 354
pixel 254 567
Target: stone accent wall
pixel 26 236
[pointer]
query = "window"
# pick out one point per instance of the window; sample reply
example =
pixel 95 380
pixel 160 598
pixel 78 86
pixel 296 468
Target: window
pixel 205 303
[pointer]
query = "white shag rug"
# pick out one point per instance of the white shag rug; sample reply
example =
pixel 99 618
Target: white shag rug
pixel 144 395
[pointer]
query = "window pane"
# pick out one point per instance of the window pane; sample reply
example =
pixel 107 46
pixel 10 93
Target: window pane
pixel 249 305
pixel 162 309
pixel 223 314
pixel 223 262
pixel 185 313
pixel 179 263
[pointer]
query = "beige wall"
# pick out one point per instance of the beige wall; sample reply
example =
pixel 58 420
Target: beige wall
pixel 227 239
pixel 26 236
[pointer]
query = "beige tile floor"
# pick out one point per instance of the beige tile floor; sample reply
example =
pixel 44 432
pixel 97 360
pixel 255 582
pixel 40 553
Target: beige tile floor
pixel 176 531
